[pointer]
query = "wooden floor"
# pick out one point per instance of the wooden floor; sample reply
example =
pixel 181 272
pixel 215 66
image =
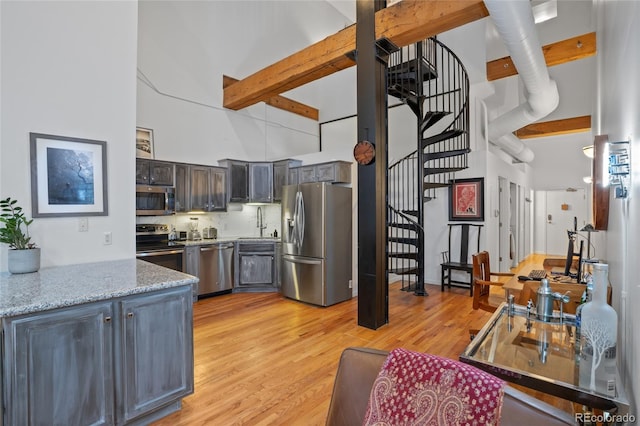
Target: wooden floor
pixel 261 359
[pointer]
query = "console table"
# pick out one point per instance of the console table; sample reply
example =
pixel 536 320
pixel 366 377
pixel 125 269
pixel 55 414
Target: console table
pixel 538 355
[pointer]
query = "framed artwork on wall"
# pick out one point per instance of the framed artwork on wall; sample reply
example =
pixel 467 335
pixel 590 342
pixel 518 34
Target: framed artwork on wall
pixel 144 143
pixel 68 176
pixel 466 200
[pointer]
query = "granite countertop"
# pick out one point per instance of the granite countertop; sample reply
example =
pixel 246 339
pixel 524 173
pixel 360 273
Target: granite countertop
pixel 61 286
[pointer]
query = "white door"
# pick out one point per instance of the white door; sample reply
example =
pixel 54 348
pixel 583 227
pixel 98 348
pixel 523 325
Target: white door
pixel 504 218
pixel 562 207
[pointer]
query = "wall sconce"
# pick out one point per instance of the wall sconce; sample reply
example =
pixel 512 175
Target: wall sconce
pixel 588 151
pixel 619 167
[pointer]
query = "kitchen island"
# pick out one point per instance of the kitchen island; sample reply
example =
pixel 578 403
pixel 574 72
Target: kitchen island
pixel 100 343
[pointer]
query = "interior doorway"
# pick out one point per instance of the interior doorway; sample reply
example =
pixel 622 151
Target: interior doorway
pixel 563 207
pixel 504 207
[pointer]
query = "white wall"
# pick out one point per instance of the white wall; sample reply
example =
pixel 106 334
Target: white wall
pixel 619 47
pixel 68 68
pixel 185 47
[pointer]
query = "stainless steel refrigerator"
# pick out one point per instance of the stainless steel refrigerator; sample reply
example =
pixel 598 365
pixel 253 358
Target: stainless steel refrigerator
pixel 316 243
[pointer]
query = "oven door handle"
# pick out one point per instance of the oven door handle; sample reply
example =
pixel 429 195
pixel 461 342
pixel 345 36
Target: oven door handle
pixel 159 253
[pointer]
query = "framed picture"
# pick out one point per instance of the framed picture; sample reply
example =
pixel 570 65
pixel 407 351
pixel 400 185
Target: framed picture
pixel 144 143
pixel 466 199
pixel 68 176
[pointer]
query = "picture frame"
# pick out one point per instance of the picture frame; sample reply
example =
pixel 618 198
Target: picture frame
pixel 68 176
pixel 144 143
pixel 466 200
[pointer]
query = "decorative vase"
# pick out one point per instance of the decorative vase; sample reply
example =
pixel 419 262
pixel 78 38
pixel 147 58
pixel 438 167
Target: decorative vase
pixel 23 261
pixel 598 333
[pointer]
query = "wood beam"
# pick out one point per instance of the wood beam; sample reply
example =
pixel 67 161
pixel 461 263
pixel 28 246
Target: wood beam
pixel 555 127
pixel 403 23
pixel 557 53
pixel 281 102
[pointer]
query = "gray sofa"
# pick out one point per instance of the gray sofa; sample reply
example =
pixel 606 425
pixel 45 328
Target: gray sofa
pixel 359 367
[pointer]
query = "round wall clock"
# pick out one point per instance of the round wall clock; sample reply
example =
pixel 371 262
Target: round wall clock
pixel 364 152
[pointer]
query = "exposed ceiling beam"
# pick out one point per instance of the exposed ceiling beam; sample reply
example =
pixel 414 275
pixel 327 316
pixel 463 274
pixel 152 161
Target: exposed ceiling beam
pixel 555 127
pixel 554 54
pixel 281 102
pixel 403 23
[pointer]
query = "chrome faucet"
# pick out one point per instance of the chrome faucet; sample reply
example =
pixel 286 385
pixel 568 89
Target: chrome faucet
pixel 259 221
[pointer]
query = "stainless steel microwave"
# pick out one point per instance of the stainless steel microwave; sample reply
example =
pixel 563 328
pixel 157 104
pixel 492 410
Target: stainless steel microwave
pixel 155 200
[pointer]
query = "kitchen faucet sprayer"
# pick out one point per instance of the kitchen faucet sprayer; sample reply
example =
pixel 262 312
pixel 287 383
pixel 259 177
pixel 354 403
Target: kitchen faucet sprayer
pixel 259 221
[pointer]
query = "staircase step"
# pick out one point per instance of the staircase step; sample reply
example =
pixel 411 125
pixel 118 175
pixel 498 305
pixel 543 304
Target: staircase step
pixel 403 240
pixel 439 170
pixel 445 154
pixel 404 255
pixel 449 134
pixel 409 226
pixel 404 271
pixel 413 213
pixel 407 71
pixel 432 117
pixel 433 185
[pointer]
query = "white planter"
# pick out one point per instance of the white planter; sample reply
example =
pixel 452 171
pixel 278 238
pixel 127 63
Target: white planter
pixel 23 261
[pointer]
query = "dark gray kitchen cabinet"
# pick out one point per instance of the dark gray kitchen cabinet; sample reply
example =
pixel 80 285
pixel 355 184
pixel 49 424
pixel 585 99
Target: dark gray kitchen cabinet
pixel 261 182
pixel 183 188
pixel 281 176
pixel 156 350
pixel 208 188
pixel 249 181
pixel 58 367
pixel 151 172
pixel 238 181
pixel 116 362
pixel 255 265
pixel 333 171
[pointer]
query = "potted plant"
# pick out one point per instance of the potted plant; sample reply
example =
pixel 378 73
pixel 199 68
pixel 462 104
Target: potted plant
pixel 23 256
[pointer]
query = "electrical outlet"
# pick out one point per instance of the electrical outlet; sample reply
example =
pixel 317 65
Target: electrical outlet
pixel 107 239
pixel 350 283
pixel 83 224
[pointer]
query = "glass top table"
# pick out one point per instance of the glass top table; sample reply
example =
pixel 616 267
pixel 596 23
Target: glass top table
pixel 539 355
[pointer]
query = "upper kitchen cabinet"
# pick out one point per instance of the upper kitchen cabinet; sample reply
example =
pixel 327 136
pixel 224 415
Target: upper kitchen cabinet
pixel 238 181
pixel 261 182
pixel 183 188
pixel 208 188
pixel 334 171
pixel 249 182
pixel 281 176
pixel 151 172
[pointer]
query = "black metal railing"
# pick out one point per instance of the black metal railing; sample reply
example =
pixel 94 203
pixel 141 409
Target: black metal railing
pixel 431 80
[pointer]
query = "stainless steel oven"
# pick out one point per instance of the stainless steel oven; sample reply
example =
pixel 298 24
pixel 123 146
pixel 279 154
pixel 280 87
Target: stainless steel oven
pixel 153 245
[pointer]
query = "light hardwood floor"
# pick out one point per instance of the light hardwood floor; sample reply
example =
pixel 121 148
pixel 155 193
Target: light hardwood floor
pixel 261 359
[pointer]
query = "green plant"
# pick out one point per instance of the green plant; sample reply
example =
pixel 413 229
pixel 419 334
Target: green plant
pixel 13 218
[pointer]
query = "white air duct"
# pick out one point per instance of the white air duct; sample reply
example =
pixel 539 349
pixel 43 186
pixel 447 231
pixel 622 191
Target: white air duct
pixel 514 22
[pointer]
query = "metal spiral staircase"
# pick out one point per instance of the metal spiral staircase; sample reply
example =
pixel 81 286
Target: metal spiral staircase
pixel 433 83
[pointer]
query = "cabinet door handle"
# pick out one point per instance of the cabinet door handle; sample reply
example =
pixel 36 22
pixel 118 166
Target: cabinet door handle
pixel 107 319
pixel 129 314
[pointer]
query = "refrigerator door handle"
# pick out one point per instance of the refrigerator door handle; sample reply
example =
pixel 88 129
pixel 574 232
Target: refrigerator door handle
pixel 301 229
pixel 293 223
pixel 305 261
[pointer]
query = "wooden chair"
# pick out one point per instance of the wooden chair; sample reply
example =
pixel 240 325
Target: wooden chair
pixel 482 295
pixel 451 262
pixel 483 298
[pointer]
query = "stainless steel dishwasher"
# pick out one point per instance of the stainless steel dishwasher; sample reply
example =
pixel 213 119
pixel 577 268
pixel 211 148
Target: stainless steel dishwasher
pixel 216 268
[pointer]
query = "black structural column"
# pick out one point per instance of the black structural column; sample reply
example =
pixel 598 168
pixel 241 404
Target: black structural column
pixel 373 303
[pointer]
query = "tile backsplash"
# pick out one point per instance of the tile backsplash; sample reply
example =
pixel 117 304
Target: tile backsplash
pixel 240 220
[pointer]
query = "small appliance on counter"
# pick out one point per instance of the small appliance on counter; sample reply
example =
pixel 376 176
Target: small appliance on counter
pixel 193 234
pixel 209 233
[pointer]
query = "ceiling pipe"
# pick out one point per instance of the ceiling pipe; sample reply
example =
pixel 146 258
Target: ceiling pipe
pixel 515 24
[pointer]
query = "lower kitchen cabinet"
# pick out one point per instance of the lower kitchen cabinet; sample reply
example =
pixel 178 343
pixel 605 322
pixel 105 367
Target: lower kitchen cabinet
pixel 59 366
pixel 255 265
pixel 157 351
